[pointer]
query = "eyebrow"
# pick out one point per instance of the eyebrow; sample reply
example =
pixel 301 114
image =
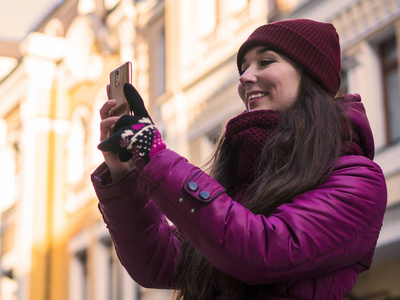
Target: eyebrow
pixel 258 52
pixel 262 50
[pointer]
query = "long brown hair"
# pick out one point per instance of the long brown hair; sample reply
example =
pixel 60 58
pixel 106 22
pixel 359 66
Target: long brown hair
pixel 307 140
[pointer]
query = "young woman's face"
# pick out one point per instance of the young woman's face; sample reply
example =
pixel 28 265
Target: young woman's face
pixel 268 80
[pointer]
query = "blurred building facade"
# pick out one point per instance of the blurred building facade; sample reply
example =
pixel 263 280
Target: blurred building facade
pixel 54 244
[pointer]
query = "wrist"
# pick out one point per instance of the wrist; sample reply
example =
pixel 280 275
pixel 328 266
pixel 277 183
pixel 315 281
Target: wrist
pixel 121 172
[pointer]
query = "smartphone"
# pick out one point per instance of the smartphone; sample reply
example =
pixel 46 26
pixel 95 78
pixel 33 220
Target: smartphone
pixel 118 77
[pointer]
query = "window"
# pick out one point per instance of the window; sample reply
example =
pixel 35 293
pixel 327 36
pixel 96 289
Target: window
pixel 348 65
pixel 8 286
pixel 79 275
pixel 390 72
pixel 79 280
pixel 344 86
pixel 105 275
pixel 272 10
pixel 161 64
pixel 111 280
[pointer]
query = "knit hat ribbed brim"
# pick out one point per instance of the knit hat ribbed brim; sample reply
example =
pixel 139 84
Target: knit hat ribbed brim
pixel 314 46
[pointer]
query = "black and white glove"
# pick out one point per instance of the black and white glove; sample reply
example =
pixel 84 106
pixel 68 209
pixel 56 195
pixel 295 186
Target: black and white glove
pixel 134 137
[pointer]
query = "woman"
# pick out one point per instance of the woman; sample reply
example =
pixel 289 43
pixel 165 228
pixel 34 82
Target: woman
pixel 293 205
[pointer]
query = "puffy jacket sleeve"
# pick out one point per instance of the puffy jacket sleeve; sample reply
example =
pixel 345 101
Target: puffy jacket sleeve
pixel 144 241
pixel 326 229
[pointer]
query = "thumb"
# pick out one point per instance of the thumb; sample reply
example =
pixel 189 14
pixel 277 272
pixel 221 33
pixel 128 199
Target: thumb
pixel 135 101
pixel 110 144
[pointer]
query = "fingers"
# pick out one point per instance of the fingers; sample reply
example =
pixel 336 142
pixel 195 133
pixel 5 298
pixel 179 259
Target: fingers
pixel 135 100
pixel 106 108
pixel 105 127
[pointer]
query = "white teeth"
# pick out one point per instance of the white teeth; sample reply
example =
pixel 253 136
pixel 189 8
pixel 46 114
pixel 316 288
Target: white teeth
pixel 251 97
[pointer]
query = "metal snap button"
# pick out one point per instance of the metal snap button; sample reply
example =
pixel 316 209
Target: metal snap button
pixel 192 186
pixel 204 195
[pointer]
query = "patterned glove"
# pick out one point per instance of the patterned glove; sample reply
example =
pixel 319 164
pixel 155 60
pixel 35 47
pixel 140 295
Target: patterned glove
pixel 134 137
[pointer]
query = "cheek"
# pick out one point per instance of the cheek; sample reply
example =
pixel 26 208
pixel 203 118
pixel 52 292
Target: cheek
pixel 241 92
pixel 293 81
pixel 296 85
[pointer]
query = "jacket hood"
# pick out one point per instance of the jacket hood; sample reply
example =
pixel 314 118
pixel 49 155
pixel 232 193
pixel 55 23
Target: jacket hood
pixel 357 114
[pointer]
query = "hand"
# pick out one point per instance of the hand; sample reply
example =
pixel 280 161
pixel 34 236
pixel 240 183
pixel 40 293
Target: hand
pixel 134 138
pixel 117 168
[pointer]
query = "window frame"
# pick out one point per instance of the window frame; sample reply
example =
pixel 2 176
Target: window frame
pixel 388 66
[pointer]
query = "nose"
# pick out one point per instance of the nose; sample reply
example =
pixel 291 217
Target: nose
pixel 248 76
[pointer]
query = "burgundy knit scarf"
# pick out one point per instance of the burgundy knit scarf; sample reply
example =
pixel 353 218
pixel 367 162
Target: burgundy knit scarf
pixel 247 134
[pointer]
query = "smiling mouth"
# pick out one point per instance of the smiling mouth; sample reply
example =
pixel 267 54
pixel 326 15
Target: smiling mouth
pixel 258 95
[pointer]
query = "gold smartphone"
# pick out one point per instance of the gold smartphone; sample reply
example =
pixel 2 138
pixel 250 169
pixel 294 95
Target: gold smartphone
pixel 118 77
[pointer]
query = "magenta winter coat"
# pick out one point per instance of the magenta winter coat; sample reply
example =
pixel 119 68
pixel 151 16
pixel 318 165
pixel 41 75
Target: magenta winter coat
pixel 311 248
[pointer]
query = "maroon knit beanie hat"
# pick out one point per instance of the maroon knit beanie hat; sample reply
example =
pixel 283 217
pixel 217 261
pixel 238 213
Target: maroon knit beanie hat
pixel 314 46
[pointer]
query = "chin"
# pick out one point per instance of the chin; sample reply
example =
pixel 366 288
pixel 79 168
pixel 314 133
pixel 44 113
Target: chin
pixel 259 108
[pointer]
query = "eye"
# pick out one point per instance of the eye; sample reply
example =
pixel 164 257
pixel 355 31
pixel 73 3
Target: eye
pixel 243 69
pixel 266 62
